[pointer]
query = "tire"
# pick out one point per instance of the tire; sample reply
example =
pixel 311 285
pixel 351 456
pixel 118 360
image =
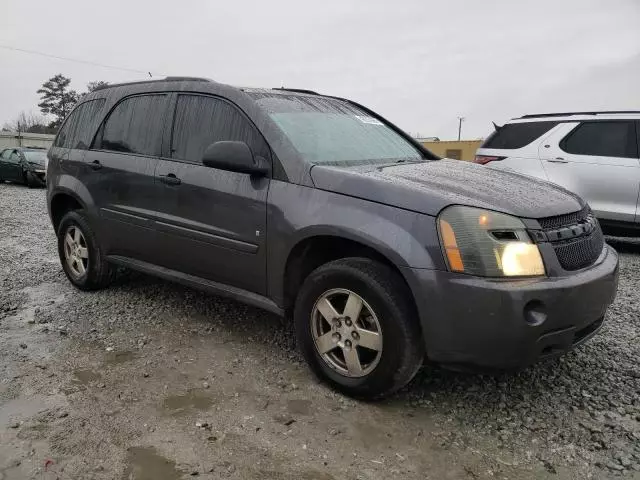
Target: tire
pixel 384 292
pixel 29 180
pixel 96 273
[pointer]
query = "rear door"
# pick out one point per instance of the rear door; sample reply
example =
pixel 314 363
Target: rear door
pixel 638 146
pixel 211 222
pixel 119 173
pixel 15 167
pixel 70 146
pixel 598 160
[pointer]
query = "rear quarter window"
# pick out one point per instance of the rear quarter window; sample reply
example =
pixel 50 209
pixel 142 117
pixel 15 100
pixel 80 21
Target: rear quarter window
pixel 517 135
pixel 77 129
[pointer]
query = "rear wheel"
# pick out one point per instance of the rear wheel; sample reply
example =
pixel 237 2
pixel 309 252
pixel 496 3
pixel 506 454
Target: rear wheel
pixel 357 327
pixel 80 254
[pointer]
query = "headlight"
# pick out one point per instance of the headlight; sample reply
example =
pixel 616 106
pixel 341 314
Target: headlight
pixel 485 243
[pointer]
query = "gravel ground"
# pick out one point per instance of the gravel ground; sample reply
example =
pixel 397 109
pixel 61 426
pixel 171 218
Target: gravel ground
pixel 149 380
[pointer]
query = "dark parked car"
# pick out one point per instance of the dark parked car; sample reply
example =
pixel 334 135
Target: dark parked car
pixel 24 165
pixel 318 208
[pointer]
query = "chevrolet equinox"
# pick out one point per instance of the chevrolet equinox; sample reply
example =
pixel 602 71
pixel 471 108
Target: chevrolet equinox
pixel 317 208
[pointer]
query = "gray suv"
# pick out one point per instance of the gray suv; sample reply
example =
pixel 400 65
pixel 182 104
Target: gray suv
pixel 317 208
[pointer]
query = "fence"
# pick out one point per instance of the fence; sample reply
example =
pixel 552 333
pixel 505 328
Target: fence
pixel 22 139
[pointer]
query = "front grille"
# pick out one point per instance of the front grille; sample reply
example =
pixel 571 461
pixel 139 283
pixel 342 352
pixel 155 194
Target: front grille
pixel 583 247
pixel 580 253
pixel 565 220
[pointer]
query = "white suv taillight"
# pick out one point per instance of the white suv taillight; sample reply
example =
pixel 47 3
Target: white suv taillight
pixel 484 159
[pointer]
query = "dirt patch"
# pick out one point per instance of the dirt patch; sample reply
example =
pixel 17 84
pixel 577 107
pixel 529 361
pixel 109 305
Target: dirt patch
pixel 151 380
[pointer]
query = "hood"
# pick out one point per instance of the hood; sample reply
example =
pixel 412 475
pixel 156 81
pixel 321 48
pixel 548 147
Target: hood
pixel 428 187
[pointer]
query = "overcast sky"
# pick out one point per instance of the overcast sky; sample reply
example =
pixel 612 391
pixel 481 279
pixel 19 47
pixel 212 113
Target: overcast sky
pixel 420 63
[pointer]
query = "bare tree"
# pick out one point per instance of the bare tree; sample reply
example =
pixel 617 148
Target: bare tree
pixel 29 123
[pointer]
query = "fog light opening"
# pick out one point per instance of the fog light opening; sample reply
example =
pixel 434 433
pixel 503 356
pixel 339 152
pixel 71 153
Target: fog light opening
pixel 535 313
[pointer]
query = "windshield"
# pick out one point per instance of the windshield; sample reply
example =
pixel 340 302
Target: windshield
pixel 35 156
pixel 331 131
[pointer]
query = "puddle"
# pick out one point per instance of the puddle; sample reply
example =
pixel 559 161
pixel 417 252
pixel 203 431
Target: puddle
pixel 115 358
pixel 23 408
pixel 299 407
pixel 85 377
pixel 146 464
pixel 194 399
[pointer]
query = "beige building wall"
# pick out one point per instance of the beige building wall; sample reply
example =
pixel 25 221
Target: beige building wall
pixel 460 150
pixel 11 139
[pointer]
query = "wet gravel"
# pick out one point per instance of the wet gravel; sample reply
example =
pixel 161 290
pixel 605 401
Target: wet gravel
pixel 576 417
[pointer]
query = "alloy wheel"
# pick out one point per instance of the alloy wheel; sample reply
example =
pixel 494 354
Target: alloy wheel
pixel 76 253
pixel 346 332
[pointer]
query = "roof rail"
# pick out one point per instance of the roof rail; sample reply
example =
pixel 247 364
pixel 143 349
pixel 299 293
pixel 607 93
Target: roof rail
pixel 297 90
pixel 566 114
pixel 154 80
pixel 186 79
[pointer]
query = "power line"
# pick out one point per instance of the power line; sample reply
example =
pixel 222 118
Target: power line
pixel 86 62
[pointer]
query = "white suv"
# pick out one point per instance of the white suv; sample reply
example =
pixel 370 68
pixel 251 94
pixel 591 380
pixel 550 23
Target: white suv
pixel 594 154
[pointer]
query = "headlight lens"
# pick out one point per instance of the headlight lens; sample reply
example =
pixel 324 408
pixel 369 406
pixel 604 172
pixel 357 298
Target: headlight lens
pixel 485 243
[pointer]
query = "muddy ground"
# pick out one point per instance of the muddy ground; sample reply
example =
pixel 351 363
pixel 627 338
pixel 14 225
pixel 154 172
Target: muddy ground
pixel 152 381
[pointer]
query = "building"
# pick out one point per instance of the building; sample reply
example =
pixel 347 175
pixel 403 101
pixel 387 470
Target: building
pixel 23 139
pixel 458 149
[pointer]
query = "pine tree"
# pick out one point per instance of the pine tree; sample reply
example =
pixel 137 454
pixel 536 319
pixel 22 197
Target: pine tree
pixel 57 99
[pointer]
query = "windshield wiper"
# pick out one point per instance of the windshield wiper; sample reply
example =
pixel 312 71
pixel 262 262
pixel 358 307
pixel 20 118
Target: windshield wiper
pixel 400 160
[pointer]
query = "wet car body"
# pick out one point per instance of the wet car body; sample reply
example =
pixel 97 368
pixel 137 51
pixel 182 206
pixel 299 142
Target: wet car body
pixel 26 165
pixel 311 205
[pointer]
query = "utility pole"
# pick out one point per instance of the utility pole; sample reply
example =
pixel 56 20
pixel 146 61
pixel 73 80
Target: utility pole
pixel 460 120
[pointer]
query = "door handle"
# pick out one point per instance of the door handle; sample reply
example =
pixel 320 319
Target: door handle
pixel 95 165
pixel 558 160
pixel 170 179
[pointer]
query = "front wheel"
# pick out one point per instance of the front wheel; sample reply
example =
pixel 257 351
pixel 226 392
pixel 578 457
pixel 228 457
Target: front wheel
pixel 357 327
pixel 29 179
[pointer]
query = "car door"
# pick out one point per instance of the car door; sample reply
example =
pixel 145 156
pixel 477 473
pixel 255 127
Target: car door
pixel 599 161
pixel 11 167
pixel 5 166
pixel 74 137
pixel 212 222
pixel 118 171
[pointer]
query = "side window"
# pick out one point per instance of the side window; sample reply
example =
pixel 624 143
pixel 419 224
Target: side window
pixel 517 135
pixel 77 129
pixel 606 139
pixel 14 157
pixel 6 153
pixel 200 121
pixel 135 126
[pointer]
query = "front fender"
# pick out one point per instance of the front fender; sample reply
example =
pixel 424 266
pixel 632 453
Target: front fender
pixel 296 213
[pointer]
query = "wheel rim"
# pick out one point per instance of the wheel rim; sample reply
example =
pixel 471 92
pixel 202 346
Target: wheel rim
pixel 346 332
pixel 76 253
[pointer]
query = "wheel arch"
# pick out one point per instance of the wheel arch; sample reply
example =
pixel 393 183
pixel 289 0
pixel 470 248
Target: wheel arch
pixel 318 248
pixel 63 201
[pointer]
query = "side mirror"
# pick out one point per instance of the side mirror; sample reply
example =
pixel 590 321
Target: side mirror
pixel 234 157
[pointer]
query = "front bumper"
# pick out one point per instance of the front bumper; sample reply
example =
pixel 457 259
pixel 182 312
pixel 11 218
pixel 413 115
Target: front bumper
pixel 495 323
pixel 39 175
